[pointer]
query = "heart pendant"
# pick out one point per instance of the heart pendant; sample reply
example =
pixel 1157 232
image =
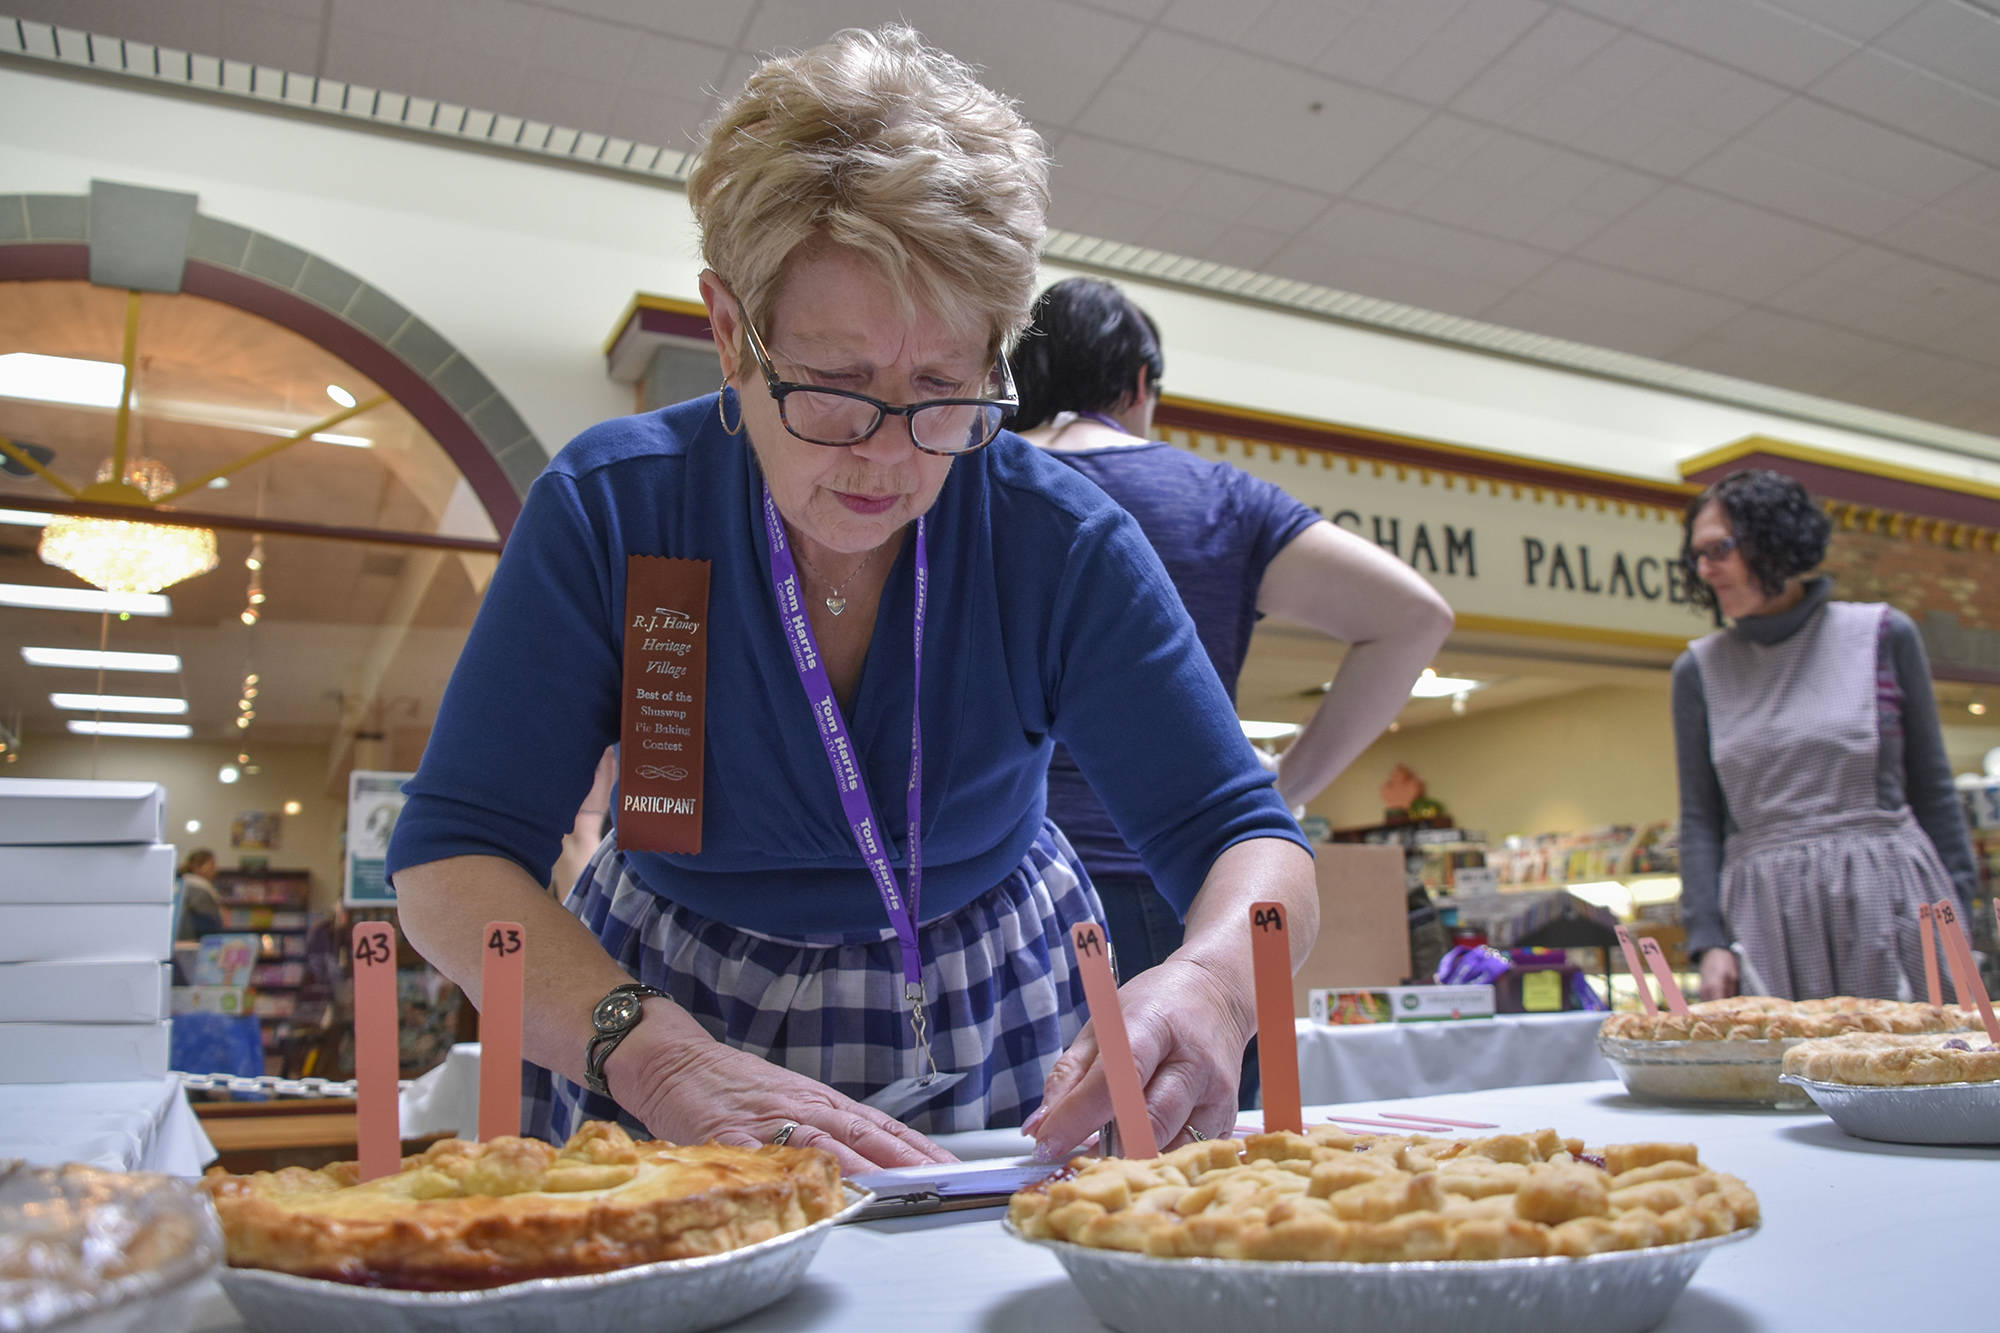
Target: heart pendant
pixel 836 604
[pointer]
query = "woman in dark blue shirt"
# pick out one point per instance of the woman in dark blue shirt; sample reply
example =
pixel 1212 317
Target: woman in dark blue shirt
pixel 859 931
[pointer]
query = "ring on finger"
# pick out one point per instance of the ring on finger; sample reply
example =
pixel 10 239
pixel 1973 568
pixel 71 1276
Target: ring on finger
pixel 784 1134
pixel 1196 1135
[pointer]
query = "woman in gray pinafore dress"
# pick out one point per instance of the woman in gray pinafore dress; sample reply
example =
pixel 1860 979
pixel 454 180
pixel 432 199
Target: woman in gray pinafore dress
pixel 1817 807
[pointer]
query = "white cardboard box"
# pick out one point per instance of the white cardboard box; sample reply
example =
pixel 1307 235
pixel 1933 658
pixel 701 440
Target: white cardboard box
pixel 85 992
pixel 76 932
pixel 82 1052
pixel 1399 1004
pixel 109 872
pixel 71 810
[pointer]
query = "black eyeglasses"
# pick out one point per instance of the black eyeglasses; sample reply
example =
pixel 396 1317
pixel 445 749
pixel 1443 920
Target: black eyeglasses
pixel 1715 552
pixel 838 418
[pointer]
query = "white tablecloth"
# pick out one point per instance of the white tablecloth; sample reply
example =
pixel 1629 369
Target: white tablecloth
pixel 1856 1235
pixel 1346 1064
pixel 140 1126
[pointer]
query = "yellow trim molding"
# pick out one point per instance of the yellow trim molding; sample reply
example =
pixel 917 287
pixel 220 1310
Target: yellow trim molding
pixel 651 301
pixel 1805 453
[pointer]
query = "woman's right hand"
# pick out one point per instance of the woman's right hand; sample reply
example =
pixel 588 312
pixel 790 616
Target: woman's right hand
pixel 1719 974
pixel 700 1089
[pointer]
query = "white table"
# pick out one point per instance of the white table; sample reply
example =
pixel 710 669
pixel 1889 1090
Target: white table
pixel 139 1126
pixel 1356 1061
pixel 1856 1235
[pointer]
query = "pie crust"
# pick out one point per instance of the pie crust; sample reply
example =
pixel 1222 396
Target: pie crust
pixel 76 1241
pixel 1331 1196
pixel 1882 1060
pixel 469 1215
pixel 1765 1017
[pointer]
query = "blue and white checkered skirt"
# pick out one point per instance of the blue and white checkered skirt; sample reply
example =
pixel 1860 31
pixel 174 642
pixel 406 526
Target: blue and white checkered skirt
pixel 1004 1002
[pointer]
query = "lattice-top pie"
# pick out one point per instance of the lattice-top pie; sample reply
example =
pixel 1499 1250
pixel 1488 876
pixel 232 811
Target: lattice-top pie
pixel 1333 1196
pixel 1886 1060
pixel 1765 1018
pixel 467 1215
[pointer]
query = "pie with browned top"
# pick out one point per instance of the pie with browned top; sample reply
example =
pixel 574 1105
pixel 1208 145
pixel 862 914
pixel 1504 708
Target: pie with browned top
pixel 1331 1196
pixel 1768 1018
pixel 470 1215
pixel 1883 1060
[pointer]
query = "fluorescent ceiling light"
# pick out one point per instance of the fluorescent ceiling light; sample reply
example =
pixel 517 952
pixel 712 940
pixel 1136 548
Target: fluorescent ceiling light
pixel 61 379
pixel 1431 685
pixel 119 703
pixel 27 518
pixel 351 441
pixel 1270 731
pixel 340 395
pixel 91 658
pixel 38 598
pixel 171 731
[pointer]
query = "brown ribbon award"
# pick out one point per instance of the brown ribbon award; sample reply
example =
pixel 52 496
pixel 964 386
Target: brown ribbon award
pixel 665 699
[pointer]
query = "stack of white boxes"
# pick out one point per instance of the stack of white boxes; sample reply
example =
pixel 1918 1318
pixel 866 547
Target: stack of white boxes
pixel 86 931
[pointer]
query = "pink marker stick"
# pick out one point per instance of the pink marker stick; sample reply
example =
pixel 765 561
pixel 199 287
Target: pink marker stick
pixel 1670 989
pixel 504 947
pixel 1927 923
pixel 1436 1120
pixel 1277 1038
pixel 1964 972
pixel 1638 972
pixel 1114 1047
pixel 377 1131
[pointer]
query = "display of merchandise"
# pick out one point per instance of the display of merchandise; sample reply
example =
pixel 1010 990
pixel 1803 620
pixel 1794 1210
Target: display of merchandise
pixel 268 910
pixel 86 930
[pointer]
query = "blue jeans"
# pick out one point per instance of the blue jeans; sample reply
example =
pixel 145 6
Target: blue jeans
pixel 1144 930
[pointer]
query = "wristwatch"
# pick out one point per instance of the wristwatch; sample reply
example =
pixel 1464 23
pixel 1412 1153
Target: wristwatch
pixel 615 1015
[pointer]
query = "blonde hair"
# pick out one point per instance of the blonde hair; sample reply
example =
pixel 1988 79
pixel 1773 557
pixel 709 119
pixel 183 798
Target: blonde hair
pixel 881 144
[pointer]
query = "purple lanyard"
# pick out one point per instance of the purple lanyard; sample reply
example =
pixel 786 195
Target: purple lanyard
pixel 846 767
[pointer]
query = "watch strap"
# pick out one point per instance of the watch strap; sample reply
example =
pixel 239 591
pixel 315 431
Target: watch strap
pixel 602 1044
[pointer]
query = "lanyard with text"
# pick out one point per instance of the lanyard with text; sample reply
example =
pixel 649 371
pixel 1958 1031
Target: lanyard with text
pixel 846 765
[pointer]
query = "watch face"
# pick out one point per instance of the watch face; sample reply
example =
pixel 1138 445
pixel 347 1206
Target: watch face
pixel 616 1012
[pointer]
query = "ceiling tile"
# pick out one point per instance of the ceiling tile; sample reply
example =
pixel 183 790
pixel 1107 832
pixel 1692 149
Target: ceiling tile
pixel 648 114
pixel 1890 91
pixel 1754 176
pixel 1835 141
pixel 268 36
pixel 1138 9
pixel 1753 38
pixel 1472 40
pixel 414 19
pixel 1552 50
pixel 563 99
pixel 385 60
pixel 716 24
pixel 1776 348
pixel 1892 295
pixel 193 26
pixel 1861 19
pixel 1247 247
pixel 1294 30
pixel 1398 237
pixel 1128 173
pixel 1977 201
pixel 1591 304
pixel 1696 239
pixel 1959 41
pixel 1396 184
pixel 497 28
pixel 1354 270
pixel 1379 41
pixel 1237 198
pixel 687 70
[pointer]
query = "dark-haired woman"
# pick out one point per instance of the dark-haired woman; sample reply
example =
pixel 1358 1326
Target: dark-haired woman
pixel 1237 548
pixel 1817 807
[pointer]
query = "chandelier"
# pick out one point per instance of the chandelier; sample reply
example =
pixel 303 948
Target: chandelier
pixel 124 555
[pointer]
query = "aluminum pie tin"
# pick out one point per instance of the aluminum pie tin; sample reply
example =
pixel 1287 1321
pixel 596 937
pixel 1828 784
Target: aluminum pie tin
pixel 1621 1291
pixel 1735 1072
pixel 673 1296
pixel 1952 1113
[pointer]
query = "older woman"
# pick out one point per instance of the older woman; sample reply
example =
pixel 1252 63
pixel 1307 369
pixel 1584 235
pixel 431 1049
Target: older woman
pixel 863 934
pixel 1817 807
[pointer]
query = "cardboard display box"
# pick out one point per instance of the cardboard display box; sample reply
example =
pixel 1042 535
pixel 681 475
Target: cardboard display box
pixel 83 932
pixel 1364 921
pixel 1400 1004
pixel 66 810
pixel 99 992
pixel 111 872
pixel 82 1052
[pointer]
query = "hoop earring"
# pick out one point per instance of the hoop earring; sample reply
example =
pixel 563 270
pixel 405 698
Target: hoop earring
pixel 722 411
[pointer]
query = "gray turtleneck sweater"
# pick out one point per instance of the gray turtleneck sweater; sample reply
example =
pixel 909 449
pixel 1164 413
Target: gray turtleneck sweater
pixel 1911 769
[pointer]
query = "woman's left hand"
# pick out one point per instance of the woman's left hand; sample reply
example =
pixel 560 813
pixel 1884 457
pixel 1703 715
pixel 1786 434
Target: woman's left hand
pixel 1187 1039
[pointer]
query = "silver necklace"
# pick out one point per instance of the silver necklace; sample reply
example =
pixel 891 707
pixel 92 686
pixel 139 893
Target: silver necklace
pixel 835 602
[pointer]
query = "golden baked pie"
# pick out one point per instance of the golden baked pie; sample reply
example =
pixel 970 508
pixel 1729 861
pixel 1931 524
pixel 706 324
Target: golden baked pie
pixel 468 1215
pixel 1328 1195
pixel 1886 1060
pixel 1767 1018
pixel 75 1241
